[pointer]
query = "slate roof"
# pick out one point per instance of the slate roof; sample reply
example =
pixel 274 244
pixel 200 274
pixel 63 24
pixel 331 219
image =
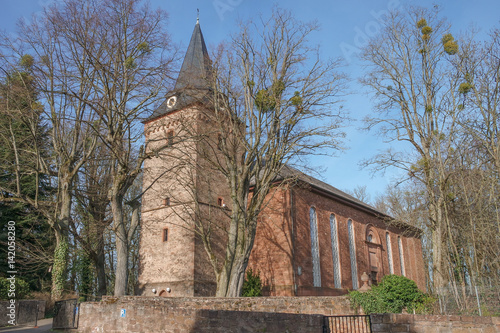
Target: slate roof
pixel 289 172
pixel 193 82
pixel 196 68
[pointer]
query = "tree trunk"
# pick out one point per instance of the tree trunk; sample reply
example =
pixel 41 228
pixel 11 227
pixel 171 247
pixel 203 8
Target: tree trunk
pixel 59 268
pixel 438 269
pixel 100 265
pixel 230 279
pixel 121 241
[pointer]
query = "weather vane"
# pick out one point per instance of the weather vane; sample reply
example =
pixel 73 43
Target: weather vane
pixel 198 16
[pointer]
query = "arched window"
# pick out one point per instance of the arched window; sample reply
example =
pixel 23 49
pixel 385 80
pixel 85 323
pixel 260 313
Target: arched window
pixel 315 248
pixel 335 251
pixel 401 256
pixel 352 253
pixel 389 252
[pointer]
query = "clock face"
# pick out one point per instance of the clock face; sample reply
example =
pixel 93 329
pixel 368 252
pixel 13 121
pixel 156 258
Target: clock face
pixel 171 102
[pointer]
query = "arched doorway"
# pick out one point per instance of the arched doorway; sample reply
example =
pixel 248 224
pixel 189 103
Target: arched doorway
pixel 374 254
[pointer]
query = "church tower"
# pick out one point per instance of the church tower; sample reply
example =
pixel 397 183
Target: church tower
pixel 180 190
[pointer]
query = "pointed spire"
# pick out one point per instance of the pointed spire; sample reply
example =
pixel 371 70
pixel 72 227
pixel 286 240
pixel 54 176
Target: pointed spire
pixel 196 67
pixel 193 82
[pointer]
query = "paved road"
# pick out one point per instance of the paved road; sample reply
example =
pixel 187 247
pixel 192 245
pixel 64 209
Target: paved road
pixel 44 325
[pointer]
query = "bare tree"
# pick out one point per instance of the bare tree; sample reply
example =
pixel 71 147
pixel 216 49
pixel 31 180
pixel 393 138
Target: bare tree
pixel 46 55
pixel 99 65
pixel 124 43
pixel 359 192
pixel 409 71
pixel 92 208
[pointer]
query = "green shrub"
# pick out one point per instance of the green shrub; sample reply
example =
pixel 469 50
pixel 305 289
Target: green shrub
pixel 392 295
pixel 22 288
pixel 252 286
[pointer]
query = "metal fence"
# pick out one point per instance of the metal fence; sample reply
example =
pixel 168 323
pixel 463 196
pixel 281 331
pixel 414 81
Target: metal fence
pixel 25 312
pixel 347 324
pixel 469 300
pixel 66 314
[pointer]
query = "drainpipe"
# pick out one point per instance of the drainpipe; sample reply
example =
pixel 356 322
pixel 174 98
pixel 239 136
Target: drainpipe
pixel 292 219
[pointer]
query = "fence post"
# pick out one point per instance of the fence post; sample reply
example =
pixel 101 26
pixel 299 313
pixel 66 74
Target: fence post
pixel 36 316
pixel 75 309
pixel 478 302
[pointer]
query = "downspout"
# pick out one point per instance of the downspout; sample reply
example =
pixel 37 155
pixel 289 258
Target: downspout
pixel 292 219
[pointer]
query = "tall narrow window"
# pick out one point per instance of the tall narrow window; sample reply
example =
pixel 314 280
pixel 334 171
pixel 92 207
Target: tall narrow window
pixel 352 253
pixel 389 252
pixel 335 251
pixel 315 248
pixel 401 256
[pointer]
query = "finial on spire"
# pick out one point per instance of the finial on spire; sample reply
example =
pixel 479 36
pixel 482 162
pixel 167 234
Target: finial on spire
pixel 198 16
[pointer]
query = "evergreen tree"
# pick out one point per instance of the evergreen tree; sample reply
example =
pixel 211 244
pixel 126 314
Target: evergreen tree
pixel 22 137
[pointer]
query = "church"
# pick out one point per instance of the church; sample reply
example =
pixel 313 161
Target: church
pixel 312 239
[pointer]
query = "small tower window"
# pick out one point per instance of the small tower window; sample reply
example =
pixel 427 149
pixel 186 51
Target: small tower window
pixel 219 141
pixel 220 201
pixel 165 235
pixel 170 138
pixel 166 202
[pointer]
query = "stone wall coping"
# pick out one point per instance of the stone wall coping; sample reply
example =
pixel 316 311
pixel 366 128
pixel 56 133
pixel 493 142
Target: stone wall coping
pixel 411 318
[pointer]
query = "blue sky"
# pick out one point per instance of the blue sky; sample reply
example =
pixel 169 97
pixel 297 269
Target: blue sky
pixel 344 24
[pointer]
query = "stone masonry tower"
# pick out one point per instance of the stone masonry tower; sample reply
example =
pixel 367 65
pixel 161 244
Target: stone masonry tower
pixel 179 186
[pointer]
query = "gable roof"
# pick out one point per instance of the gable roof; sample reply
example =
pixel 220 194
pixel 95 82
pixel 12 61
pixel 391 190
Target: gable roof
pixel 289 172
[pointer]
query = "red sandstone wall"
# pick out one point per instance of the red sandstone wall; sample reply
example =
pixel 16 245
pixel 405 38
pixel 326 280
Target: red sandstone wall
pixel 283 244
pixel 167 264
pixel 260 314
pixel 182 175
pixel 325 206
pixel 153 318
pixel 272 253
pixel 388 323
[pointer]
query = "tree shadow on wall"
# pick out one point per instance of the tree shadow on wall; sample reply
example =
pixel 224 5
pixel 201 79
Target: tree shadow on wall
pixel 245 321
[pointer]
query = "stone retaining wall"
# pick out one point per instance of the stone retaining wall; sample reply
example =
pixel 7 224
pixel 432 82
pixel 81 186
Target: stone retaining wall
pixel 327 306
pixel 388 323
pixel 156 314
pixel 259 314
